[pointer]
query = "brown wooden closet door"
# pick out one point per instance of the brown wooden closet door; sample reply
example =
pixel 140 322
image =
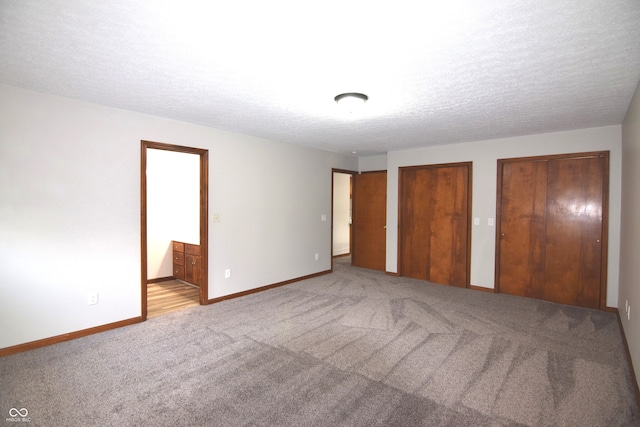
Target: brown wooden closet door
pixel 449 220
pixel 415 224
pixel 522 228
pixel 369 220
pixel 574 231
pixel 551 225
pixel 434 230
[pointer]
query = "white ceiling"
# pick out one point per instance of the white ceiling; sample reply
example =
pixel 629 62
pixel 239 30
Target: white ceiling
pixel 436 72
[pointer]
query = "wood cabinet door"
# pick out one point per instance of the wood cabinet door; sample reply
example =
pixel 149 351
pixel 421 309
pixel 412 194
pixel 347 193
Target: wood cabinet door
pixel 178 260
pixel 434 223
pixel 370 220
pixel 192 269
pixel 551 228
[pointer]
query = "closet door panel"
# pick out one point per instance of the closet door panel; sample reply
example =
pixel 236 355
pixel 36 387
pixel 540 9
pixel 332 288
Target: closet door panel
pixel 552 228
pixel 574 231
pixel 522 228
pixel 448 203
pixel 434 223
pixel 415 223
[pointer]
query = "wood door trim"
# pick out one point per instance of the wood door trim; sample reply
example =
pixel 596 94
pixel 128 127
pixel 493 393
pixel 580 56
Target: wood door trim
pixel 605 212
pixel 604 256
pixel 204 215
pixel 401 169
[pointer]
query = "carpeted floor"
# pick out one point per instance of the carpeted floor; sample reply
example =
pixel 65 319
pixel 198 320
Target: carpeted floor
pixel 352 348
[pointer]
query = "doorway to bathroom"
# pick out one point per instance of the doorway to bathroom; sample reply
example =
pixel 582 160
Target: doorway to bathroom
pixel 174 229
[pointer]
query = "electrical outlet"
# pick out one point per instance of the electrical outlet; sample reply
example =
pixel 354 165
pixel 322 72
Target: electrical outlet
pixel 317 256
pixel 227 273
pixel 92 298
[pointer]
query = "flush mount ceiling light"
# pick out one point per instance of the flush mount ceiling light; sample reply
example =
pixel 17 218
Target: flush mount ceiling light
pixel 351 101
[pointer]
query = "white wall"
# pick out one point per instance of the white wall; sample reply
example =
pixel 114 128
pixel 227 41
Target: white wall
pixel 341 213
pixel 372 163
pixel 630 226
pixel 173 206
pixel 70 211
pixel 484 155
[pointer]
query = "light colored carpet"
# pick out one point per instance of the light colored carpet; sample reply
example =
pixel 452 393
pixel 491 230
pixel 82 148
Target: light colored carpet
pixel 355 347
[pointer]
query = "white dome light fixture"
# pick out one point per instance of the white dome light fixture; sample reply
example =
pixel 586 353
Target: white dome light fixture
pixel 351 101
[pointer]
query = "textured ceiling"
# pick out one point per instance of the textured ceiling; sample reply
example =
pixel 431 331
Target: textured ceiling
pixel 436 72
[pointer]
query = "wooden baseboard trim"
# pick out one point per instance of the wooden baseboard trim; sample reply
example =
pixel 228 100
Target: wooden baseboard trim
pixel 391 273
pixel 482 289
pixel 626 349
pixel 160 279
pixel 102 328
pixel 264 288
pixel 67 337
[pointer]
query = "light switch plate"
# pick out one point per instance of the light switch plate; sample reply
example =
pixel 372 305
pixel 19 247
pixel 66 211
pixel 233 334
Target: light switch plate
pixel 92 298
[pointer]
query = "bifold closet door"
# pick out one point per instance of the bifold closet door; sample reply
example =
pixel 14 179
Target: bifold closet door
pixel 551 228
pixel 574 231
pixel 434 223
pixel 370 220
pixel 415 223
pixel 523 228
